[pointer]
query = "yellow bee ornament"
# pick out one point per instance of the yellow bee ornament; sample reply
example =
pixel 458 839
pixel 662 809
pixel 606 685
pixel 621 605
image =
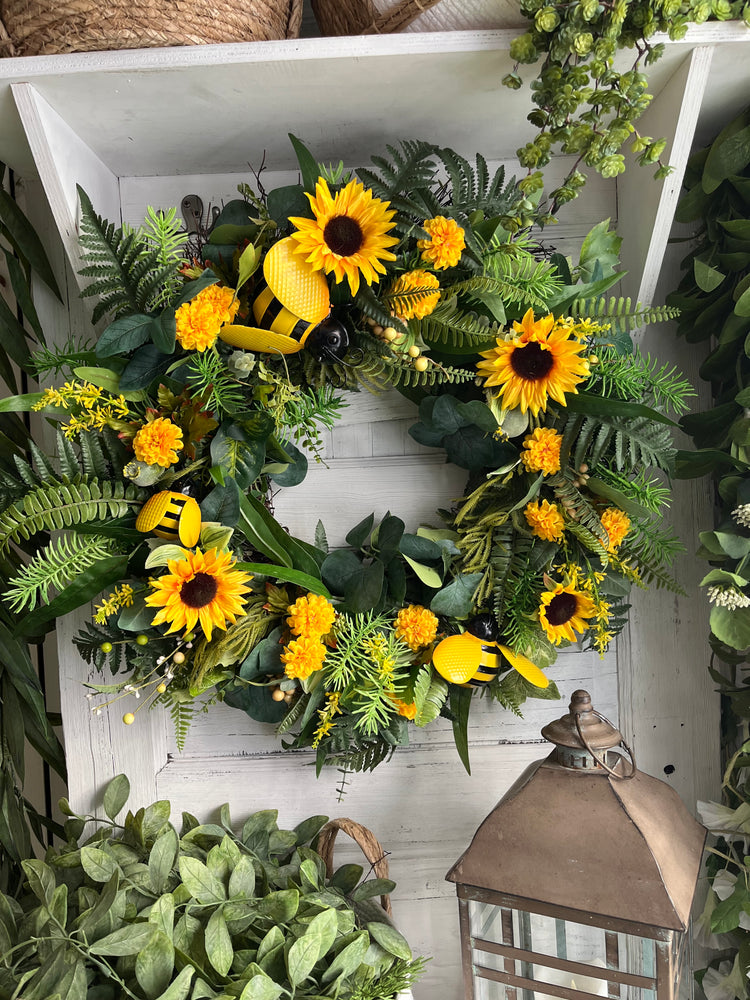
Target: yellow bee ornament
pixel 292 310
pixel 475 658
pixel 172 516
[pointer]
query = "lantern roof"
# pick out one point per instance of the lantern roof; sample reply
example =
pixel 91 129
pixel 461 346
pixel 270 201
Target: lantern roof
pixel 588 841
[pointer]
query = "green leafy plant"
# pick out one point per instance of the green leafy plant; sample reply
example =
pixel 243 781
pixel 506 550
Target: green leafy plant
pixel 138 911
pixel 585 106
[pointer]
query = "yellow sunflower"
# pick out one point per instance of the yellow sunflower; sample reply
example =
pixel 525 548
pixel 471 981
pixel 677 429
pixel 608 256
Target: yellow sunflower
pixel 414 295
pixel 542 451
pixel 445 244
pixel 347 237
pixel 540 361
pixel 200 589
pixel 617 524
pixel 563 610
pixel 545 520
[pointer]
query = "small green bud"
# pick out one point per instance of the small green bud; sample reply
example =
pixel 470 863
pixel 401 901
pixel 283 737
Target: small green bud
pixel 583 43
pixel 547 19
pixel 611 166
pixel 141 640
pixel 106 647
pixel 512 80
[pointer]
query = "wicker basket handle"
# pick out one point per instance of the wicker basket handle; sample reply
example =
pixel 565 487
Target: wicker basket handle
pixel 371 848
pixel 398 17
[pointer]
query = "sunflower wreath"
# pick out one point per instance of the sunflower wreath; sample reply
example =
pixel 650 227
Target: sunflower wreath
pixel 224 358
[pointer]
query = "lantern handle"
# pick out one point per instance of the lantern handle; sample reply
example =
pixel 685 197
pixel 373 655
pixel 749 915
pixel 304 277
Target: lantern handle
pixel 600 762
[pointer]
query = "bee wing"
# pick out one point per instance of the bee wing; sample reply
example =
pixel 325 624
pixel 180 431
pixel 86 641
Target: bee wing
pixel 457 657
pixel 252 338
pixel 525 668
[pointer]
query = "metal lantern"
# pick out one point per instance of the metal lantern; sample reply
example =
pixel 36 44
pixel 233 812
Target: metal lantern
pixel 580 881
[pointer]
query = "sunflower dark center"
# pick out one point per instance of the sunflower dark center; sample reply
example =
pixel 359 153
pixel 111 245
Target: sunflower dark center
pixel 561 609
pixel 530 362
pixel 343 235
pixel 199 591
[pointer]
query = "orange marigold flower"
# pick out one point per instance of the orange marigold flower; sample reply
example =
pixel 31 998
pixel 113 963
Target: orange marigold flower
pixel 303 657
pixel 414 295
pixel 416 626
pixel 542 451
pixel 406 708
pixel 545 520
pixel 443 248
pixel 617 524
pixel 199 320
pixel 158 442
pixel 311 615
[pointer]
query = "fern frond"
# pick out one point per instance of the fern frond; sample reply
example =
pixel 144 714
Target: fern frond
pixel 55 567
pixel 449 325
pixel 430 694
pixel 636 377
pixel 58 504
pixel 354 751
pixel 527 287
pixel 622 311
pixel 127 275
pixel 405 178
pixel 181 713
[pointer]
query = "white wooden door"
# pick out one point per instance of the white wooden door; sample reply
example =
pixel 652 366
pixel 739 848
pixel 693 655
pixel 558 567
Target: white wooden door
pixel 421 804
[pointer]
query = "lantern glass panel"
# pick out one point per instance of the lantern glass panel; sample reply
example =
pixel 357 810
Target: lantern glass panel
pixel 495 929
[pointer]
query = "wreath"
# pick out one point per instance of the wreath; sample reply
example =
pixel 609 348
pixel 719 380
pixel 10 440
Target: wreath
pixel 224 357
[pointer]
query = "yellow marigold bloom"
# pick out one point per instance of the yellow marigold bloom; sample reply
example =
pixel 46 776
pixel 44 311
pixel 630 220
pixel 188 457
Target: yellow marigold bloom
pixel 545 520
pixel 541 361
pixel 414 295
pixel 563 612
pixel 199 320
pixel 445 244
pixel 303 657
pixel 311 615
pixel 347 237
pixel 202 588
pixel 542 451
pixel 416 626
pixel 158 442
pixel 406 708
pixel 617 524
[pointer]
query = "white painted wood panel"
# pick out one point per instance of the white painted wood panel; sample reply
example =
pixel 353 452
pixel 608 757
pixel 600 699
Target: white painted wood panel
pixel 175 113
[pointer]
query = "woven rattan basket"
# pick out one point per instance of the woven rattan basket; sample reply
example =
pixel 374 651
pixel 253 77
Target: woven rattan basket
pixel 367 17
pixel 371 849
pixel 47 27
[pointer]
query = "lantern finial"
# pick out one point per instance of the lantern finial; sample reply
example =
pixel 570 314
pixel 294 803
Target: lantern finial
pixel 584 739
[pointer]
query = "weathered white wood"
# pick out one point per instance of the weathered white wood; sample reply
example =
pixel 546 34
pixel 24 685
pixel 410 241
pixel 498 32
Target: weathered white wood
pixel 350 489
pixel 131 107
pixel 63 161
pixel 646 228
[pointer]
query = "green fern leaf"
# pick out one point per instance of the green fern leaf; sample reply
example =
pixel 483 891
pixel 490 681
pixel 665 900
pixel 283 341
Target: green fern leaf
pixel 430 694
pixel 55 567
pixel 57 504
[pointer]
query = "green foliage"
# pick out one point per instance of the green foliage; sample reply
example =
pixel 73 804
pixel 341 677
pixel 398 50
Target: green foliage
pixel 128 275
pixel 158 914
pixel 60 504
pixel 208 378
pixel 638 377
pixel 622 313
pixel 65 558
pixel 586 106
